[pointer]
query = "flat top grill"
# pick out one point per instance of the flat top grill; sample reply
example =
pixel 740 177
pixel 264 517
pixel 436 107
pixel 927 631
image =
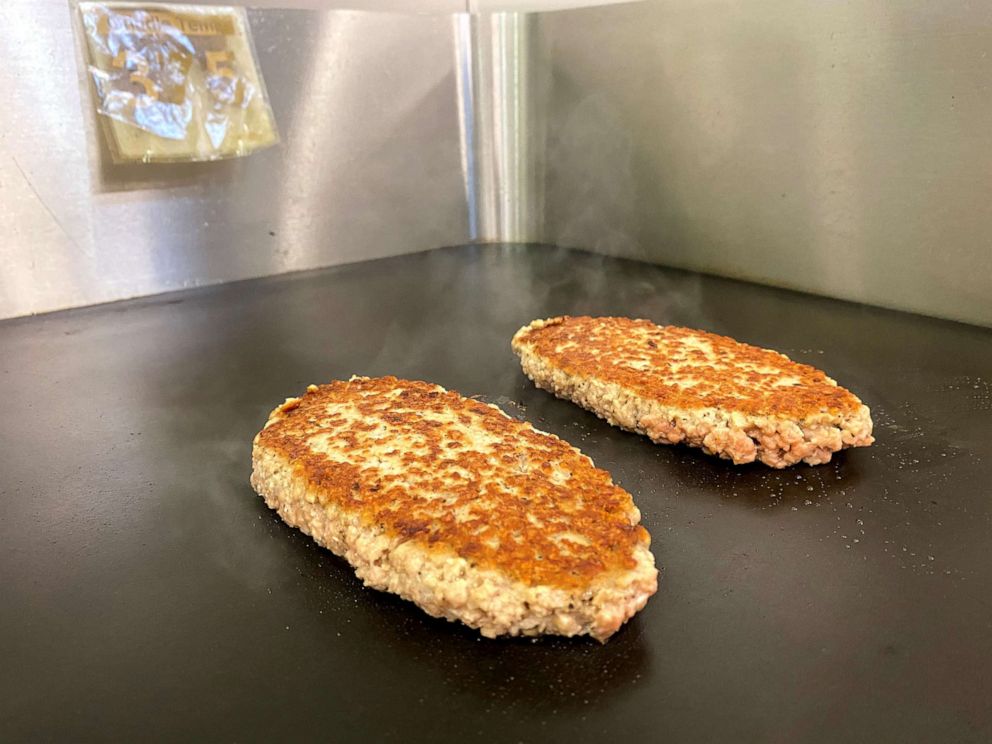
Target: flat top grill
pixel 149 593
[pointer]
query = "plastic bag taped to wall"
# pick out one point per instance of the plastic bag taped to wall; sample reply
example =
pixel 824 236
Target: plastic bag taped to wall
pixel 175 82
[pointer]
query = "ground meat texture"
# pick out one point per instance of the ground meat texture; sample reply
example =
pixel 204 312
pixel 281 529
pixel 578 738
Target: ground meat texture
pixel 681 386
pixel 450 503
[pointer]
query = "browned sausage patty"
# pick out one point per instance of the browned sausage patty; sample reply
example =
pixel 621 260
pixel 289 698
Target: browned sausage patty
pixel 677 385
pixel 452 504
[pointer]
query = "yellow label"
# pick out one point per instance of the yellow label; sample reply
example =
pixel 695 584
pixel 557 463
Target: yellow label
pixel 175 83
pixel 138 21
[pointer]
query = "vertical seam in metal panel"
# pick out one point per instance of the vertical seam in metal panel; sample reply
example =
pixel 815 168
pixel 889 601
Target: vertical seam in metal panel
pixel 466 115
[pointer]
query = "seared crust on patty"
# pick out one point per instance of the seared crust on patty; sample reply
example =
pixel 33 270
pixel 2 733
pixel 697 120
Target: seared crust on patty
pixel 678 385
pixel 452 504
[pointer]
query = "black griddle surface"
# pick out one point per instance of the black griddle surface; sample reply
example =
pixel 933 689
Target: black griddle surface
pixel 149 594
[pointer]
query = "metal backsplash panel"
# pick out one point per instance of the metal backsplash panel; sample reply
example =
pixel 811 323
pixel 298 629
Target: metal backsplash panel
pixel 369 163
pixel 838 148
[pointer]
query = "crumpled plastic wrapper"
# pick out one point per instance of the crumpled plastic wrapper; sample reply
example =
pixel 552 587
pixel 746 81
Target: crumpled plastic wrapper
pixel 175 82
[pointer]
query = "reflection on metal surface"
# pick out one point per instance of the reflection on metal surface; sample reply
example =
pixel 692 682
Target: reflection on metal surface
pixel 841 149
pixel 837 148
pixel 369 166
pixel 533 6
pixel 502 85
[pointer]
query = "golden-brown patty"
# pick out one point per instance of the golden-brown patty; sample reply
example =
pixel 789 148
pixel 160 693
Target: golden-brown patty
pixel 411 464
pixel 681 385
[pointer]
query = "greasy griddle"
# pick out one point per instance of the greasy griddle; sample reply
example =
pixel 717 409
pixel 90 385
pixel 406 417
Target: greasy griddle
pixel 149 594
